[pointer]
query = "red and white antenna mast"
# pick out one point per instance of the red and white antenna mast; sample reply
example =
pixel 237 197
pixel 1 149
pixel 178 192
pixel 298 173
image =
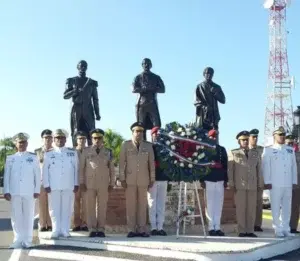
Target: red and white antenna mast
pixel 279 107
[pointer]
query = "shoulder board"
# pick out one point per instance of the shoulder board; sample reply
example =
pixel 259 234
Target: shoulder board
pixel 70 148
pixel 37 150
pixel 234 150
pixel 31 153
pixel 126 141
pixel 148 142
pixel 260 147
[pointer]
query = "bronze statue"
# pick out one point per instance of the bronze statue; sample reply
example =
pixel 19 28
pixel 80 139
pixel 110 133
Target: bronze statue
pixel 148 84
pixel 208 94
pixel 84 94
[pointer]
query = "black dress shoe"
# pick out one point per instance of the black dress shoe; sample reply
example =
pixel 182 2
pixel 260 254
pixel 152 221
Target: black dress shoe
pixel 43 229
pixel 100 234
pixel 49 228
pixel 242 234
pixel 154 232
pixel 144 234
pixel 75 229
pixel 85 228
pixel 161 233
pixel 220 233
pixel 294 231
pixel 258 229
pixel 93 234
pixel 131 234
pixel 212 233
pixel 251 235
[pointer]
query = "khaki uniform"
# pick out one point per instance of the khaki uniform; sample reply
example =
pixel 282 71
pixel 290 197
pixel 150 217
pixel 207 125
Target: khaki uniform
pixel 296 198
pixel 44 216
pixel 79 215
pixel 245 177
pixel 260 191
pixel 97 173
pixel 137 168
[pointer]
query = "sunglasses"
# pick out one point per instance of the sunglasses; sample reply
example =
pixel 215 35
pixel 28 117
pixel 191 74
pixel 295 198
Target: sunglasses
pixel 281 134
pixel 97 138
pixel 244 139
pixel 60 137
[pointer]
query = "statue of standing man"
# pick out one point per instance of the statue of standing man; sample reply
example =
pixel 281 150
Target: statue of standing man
pixel 208 94
pixel 85 109
pixel 147 85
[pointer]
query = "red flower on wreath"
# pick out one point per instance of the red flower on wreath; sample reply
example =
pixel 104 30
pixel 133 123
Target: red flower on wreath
pixel 185 148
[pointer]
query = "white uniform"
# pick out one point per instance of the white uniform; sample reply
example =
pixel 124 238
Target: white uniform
pixel 22 178
pixel 60 173
pixel 279 169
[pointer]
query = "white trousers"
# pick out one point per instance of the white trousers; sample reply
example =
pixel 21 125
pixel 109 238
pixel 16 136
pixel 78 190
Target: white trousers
pixel 281 200
pixel 22 217
pixel 157 203
pixel 60 208
pixel 214 193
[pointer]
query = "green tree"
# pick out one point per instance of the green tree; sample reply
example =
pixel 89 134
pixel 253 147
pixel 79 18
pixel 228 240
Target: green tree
pixel 113 141
pixel 7 147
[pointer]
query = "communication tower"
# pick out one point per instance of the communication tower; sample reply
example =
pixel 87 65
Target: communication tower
pixel 279 107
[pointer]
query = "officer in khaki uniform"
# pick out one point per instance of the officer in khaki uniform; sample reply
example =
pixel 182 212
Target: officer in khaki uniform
pixel 45 223
pixel 244 176
pixel 259 200
pixel 137 174
pixel 289 140
pixel 97 179
pixel 79 215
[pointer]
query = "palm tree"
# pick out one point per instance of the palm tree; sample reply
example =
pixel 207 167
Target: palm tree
pixel 7 147
pixel 113 141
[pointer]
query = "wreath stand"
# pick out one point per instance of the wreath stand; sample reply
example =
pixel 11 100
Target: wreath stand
pixel 184 205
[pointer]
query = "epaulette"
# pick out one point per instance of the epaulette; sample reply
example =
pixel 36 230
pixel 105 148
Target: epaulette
pixel 69 148
pixel 234 149
pixel 148 142
pixel 260 147
pixel 37 150
pixel 126 141
pixel 32 153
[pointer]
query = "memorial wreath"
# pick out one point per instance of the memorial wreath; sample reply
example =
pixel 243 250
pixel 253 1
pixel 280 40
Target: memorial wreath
pixel 184 152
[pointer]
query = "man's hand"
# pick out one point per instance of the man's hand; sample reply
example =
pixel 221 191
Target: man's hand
pixel 98 117
pixel 151 185
pixel 48 190
pixel 7 196
pixel 268 186
pixel 76 188
pixel 124 184
pixel 225 184
pixel 83 187
pixel 203 185
pixel 36 195
pixel 110 188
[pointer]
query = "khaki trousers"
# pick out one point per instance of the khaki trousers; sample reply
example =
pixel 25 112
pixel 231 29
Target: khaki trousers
pixel 245 201
pixel 96 201
pixel 295 209
pixel 79 216
pixel 259 208
pixel 136 208
pixel 44 216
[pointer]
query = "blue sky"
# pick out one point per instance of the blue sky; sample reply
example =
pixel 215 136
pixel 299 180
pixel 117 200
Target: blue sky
pixel 42 41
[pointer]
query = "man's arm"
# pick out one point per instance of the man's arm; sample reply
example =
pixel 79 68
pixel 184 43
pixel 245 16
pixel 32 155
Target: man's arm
pixel 82 166
pixel 69 91
pixel 294 169
pixel 76 169
pixel 7 173
pixel 122 162
pixel 136 86
pixel 96 100
pixel 266 167
pixel 225 164
pixel 260 177
pixel 161 86
pixel 37 176
pixel 231 170
pixel 151 165
pixel 218 94
pixel 111 167
pixel 45 171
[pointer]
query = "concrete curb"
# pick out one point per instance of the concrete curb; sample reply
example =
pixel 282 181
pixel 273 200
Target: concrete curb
pixel 268 251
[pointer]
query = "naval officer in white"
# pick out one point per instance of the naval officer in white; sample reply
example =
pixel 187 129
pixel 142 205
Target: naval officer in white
pixel 22 182
pixel 280 175
pixel 60 180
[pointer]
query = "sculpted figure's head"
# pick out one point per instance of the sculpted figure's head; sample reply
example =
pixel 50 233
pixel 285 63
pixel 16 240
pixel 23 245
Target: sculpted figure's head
pixel 82 67
pixel 208 73
pixel 147 64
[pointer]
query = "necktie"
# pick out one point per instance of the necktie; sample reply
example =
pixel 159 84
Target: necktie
pixel 98 150
pixel 137 146
pixel 246 153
